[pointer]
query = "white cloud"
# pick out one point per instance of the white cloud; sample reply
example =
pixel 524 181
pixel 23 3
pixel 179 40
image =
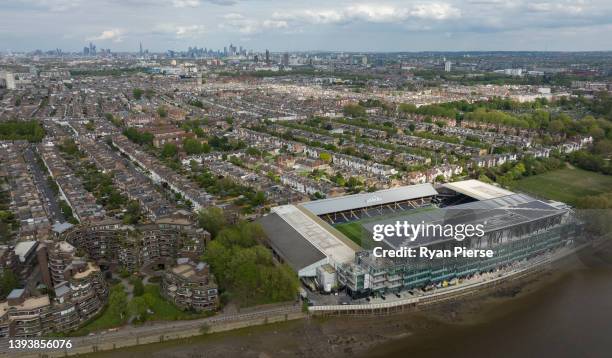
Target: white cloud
pixel 181 31
pixel 114 35
pixel 233 16
pixel 435 11
pixel 247 26
pixel 49 5
pixel 190 31
pixel 565 7
pixel 275 24
pixel 376 13
pixel 185 3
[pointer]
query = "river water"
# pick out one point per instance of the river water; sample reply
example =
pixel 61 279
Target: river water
pixel 568 315
pixel 571 317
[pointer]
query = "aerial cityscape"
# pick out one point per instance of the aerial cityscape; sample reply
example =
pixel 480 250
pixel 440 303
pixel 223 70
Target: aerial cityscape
pixel 276 180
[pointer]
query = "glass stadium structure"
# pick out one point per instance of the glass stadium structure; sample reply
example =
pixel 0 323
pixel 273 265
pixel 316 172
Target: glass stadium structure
pixel 517 227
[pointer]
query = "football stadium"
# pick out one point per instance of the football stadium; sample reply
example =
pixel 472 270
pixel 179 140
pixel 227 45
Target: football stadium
pixel 329 242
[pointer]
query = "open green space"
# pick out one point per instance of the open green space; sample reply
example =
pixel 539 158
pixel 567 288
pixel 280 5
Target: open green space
pixel 566 185
pixel 113 315
pixel 352 230
pixel 150 306
pixel 162 309
pixel 21 130
pixel 355 231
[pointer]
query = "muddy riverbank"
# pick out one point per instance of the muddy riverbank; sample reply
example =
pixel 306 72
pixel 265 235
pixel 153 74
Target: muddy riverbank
pixel 566 311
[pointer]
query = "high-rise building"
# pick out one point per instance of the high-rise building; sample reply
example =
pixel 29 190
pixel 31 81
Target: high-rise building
pixel 447 66
pixel 285 61
pixel 7 80
pixel 140 49
pixel 267 56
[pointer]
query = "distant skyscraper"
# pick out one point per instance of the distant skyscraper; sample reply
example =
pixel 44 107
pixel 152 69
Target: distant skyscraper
pixel 92 49
pixel 267 56
pixel 447 66
pixel 140 49
pixel 285 61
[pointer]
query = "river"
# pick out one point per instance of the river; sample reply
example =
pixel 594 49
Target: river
pixel 569 315
pixel 569 318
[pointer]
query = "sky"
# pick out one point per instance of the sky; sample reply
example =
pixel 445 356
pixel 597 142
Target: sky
pixel 293 25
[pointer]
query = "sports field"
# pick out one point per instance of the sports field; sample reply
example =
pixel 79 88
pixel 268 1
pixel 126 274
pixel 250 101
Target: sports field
pixel 352 230
pixel 566 185
pixel 355 232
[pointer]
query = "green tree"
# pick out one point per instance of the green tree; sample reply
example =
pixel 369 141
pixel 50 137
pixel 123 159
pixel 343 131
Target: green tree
pixel 192 146
pixel 246 269
pixel 212 220
pixel 407 108
pixel 354 111
pixel 138 286
pixel 326 157
pixel 8 282
pixel 21 130
pixel 168 150
pixel 137 93
pixel 138 308
pixel 133 213
pixel 118 302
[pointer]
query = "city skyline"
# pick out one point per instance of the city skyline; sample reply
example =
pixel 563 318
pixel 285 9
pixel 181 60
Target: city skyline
pixel 487 25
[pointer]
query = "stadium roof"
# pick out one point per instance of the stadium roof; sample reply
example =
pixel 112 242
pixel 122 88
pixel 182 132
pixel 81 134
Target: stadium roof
pixel 349 202
pixel 289 244
pixel 477 189
pixel 301 241
pixel 495 214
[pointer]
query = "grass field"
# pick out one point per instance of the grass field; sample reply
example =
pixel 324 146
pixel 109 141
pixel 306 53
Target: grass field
pixel 109 318
pixel 566 185
pixel 162 309
pixel 352 230
pixel 355 232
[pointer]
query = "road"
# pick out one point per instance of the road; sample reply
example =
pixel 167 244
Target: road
pixel 48 196
pixel 166 328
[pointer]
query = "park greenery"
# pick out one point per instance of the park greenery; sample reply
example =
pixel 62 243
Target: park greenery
pixel 8 221
pixel 114 120
pixel 8 282
pixel 21 130
pixel 539 114
pixel 67 212
pixel 162 111
pixel 212 220
pixel 192 146
pixel 147 304
pixel 582 188
pixel 245 269
pixel 100 185
pixel 115 313
pixel 137 136
pixel 225 188
pixel 354 111
pixel 137 93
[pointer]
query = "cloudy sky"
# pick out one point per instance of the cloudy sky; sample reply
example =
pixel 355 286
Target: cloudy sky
pixel 370 25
